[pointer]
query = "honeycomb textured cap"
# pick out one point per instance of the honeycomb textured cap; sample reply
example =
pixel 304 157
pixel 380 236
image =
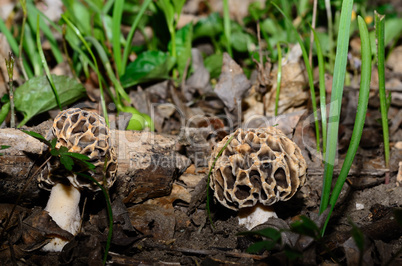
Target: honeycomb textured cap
pixel 259 165
pixel 83 132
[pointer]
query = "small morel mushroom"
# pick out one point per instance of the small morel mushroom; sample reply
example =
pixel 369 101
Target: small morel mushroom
pixel 86 133
pixel 258 168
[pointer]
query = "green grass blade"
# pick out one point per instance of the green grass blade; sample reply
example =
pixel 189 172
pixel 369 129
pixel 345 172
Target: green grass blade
pixel 116 34
pixel 106 63
pixel 9 36
pixel 287 10
pixel 330 33
pixel 91 4
pixel 14 46
pixel 44 63
pixel 130 36
pixel 360 115
pixel 108 5
pixel 10 71
pixel 278 78
pixel 379 30
pixel 4 110
pixel 79 35
pixel 309 73
pixel 33 13
pixel 321 70
pixel 226 27
pixel 336 99
pixel 29 44
pixel 24 19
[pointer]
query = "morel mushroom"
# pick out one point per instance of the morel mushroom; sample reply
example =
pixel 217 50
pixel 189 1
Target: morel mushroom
pixel 258 168
pixel 86 133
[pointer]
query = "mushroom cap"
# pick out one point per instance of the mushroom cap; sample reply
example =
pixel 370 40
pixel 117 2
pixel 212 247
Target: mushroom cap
pixel 83 132
pixel 259 165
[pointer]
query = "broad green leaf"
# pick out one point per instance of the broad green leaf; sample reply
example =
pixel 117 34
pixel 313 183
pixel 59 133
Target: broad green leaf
pixel 305 226
pixel 241 41
pixel 53 143
pixel 36 96
pixel 274 30
pixel 37 136
pixel 357 236
pixel 213 64
pixel 266 232
pixel 292 253
pixel 393 29
pixel 273 234
pixel 80 159
pixel 67 161
pixel 183 47
pixel 54 152
pixel 208 27
pixel 261 245
pixel 5 98
pixel 5 108
pixel 59 152
pixel 78 156
pixel 149 66
pixel 256 10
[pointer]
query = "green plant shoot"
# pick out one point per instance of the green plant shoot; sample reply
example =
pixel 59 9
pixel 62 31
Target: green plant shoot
pixel 379 30
pixel 360 115
pixel 336 100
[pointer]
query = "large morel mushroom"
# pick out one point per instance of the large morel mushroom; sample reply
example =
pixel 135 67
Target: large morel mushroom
pixel 258 168
pixel 86 133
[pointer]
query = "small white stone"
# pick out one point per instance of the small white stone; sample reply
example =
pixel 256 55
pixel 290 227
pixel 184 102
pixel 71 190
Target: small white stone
pixel 398 145
pixel 359 206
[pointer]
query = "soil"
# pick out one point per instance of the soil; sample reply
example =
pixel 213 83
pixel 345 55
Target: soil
pixel 176 229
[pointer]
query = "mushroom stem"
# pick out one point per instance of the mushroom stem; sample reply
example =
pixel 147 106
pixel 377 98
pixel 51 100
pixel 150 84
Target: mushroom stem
pixel 253 216
pixel 64 210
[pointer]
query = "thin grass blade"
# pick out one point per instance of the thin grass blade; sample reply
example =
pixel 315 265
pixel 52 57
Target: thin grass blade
pixel 309 73
pixel 336 100
pixel 9 36
pixel 116 34
pixel 130 36
pixel 29 45
pixel 33 13
pixel 360 115
pixel 379 30
pixel 44 63
pixel 226 26
pixel 323 101
pixel 105 60
pixel 79 35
